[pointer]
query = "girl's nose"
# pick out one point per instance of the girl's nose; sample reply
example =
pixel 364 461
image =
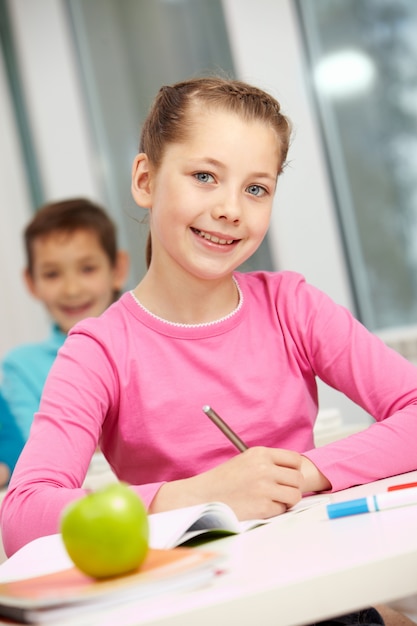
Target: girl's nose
pixel 228 208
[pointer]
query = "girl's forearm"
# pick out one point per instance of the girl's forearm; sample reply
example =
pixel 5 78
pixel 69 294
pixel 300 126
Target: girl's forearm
pixel 314 480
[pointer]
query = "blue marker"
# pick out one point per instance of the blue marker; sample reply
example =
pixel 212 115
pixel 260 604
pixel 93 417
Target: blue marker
pixel 369 504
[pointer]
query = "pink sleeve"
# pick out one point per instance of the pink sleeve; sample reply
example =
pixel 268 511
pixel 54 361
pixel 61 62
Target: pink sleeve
pixel 65 433
pixel 346 356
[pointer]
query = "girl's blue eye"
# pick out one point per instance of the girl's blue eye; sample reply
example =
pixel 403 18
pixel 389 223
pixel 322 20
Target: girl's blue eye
pixel 203 177
pixel 256 190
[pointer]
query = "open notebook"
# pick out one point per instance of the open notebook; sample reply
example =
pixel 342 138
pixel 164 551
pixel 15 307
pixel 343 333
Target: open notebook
pixel 167 530
pixel 211 520
pixel 202 521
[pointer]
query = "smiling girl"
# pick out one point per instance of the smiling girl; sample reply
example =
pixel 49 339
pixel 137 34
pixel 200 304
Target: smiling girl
pixel 195 331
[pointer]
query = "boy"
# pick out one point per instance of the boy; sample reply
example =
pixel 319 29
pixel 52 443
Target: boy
pixel 74 268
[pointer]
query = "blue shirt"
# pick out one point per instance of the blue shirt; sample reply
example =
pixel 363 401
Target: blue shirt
pixel 11 440
pixel 25 369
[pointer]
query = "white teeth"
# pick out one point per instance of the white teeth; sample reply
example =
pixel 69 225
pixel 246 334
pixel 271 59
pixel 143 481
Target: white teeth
pixel 213 238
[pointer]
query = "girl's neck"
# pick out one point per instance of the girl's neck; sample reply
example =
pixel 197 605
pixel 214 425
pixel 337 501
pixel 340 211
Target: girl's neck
pixel 187 300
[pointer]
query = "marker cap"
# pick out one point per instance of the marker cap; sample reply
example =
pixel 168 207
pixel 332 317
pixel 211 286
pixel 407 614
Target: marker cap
pixel 352 507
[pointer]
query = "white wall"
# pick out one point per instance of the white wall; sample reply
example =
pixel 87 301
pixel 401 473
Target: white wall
pixel 62 143
pixel 52 91
pixel 20 318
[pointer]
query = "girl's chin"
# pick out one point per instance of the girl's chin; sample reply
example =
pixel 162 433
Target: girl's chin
pixel 213 274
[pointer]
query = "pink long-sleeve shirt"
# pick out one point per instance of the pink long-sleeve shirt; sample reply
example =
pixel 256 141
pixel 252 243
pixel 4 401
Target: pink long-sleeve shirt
pixel 138 384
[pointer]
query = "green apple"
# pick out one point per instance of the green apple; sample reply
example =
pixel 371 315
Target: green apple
pixel 106 533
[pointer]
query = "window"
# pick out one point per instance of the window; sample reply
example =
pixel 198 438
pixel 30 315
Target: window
pixel 362 57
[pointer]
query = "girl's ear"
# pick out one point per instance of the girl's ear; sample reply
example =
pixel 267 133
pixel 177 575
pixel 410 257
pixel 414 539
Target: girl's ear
pixel 141 181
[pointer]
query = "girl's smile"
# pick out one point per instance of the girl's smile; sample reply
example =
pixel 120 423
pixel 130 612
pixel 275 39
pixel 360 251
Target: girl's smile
pixel 214 238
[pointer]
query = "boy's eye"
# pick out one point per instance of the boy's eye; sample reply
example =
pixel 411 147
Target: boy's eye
pixel 204 177
pixel 49 275
pixel 88 269
pixel 256 190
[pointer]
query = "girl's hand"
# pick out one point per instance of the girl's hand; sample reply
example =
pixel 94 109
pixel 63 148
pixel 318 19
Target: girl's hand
pixel 259 483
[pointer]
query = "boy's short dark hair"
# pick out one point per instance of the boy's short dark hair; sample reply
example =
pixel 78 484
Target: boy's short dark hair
pixel 68 216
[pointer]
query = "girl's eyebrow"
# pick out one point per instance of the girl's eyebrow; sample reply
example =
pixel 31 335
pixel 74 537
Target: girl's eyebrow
pixel 264 175
pixel 206 161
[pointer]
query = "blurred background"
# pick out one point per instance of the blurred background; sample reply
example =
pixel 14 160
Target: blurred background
pixel 77 78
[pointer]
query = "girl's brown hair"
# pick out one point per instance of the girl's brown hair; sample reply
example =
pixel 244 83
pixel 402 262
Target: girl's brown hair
pixel 169 120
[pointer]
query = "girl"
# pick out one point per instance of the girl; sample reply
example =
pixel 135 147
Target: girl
pixel 195 332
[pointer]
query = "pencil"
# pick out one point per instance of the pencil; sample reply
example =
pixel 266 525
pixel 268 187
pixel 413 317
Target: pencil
pixel 226 430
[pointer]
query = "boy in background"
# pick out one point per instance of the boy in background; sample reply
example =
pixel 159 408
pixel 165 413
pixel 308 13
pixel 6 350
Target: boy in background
pixel 74 267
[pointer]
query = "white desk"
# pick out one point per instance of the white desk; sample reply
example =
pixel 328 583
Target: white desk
pixel 299 569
